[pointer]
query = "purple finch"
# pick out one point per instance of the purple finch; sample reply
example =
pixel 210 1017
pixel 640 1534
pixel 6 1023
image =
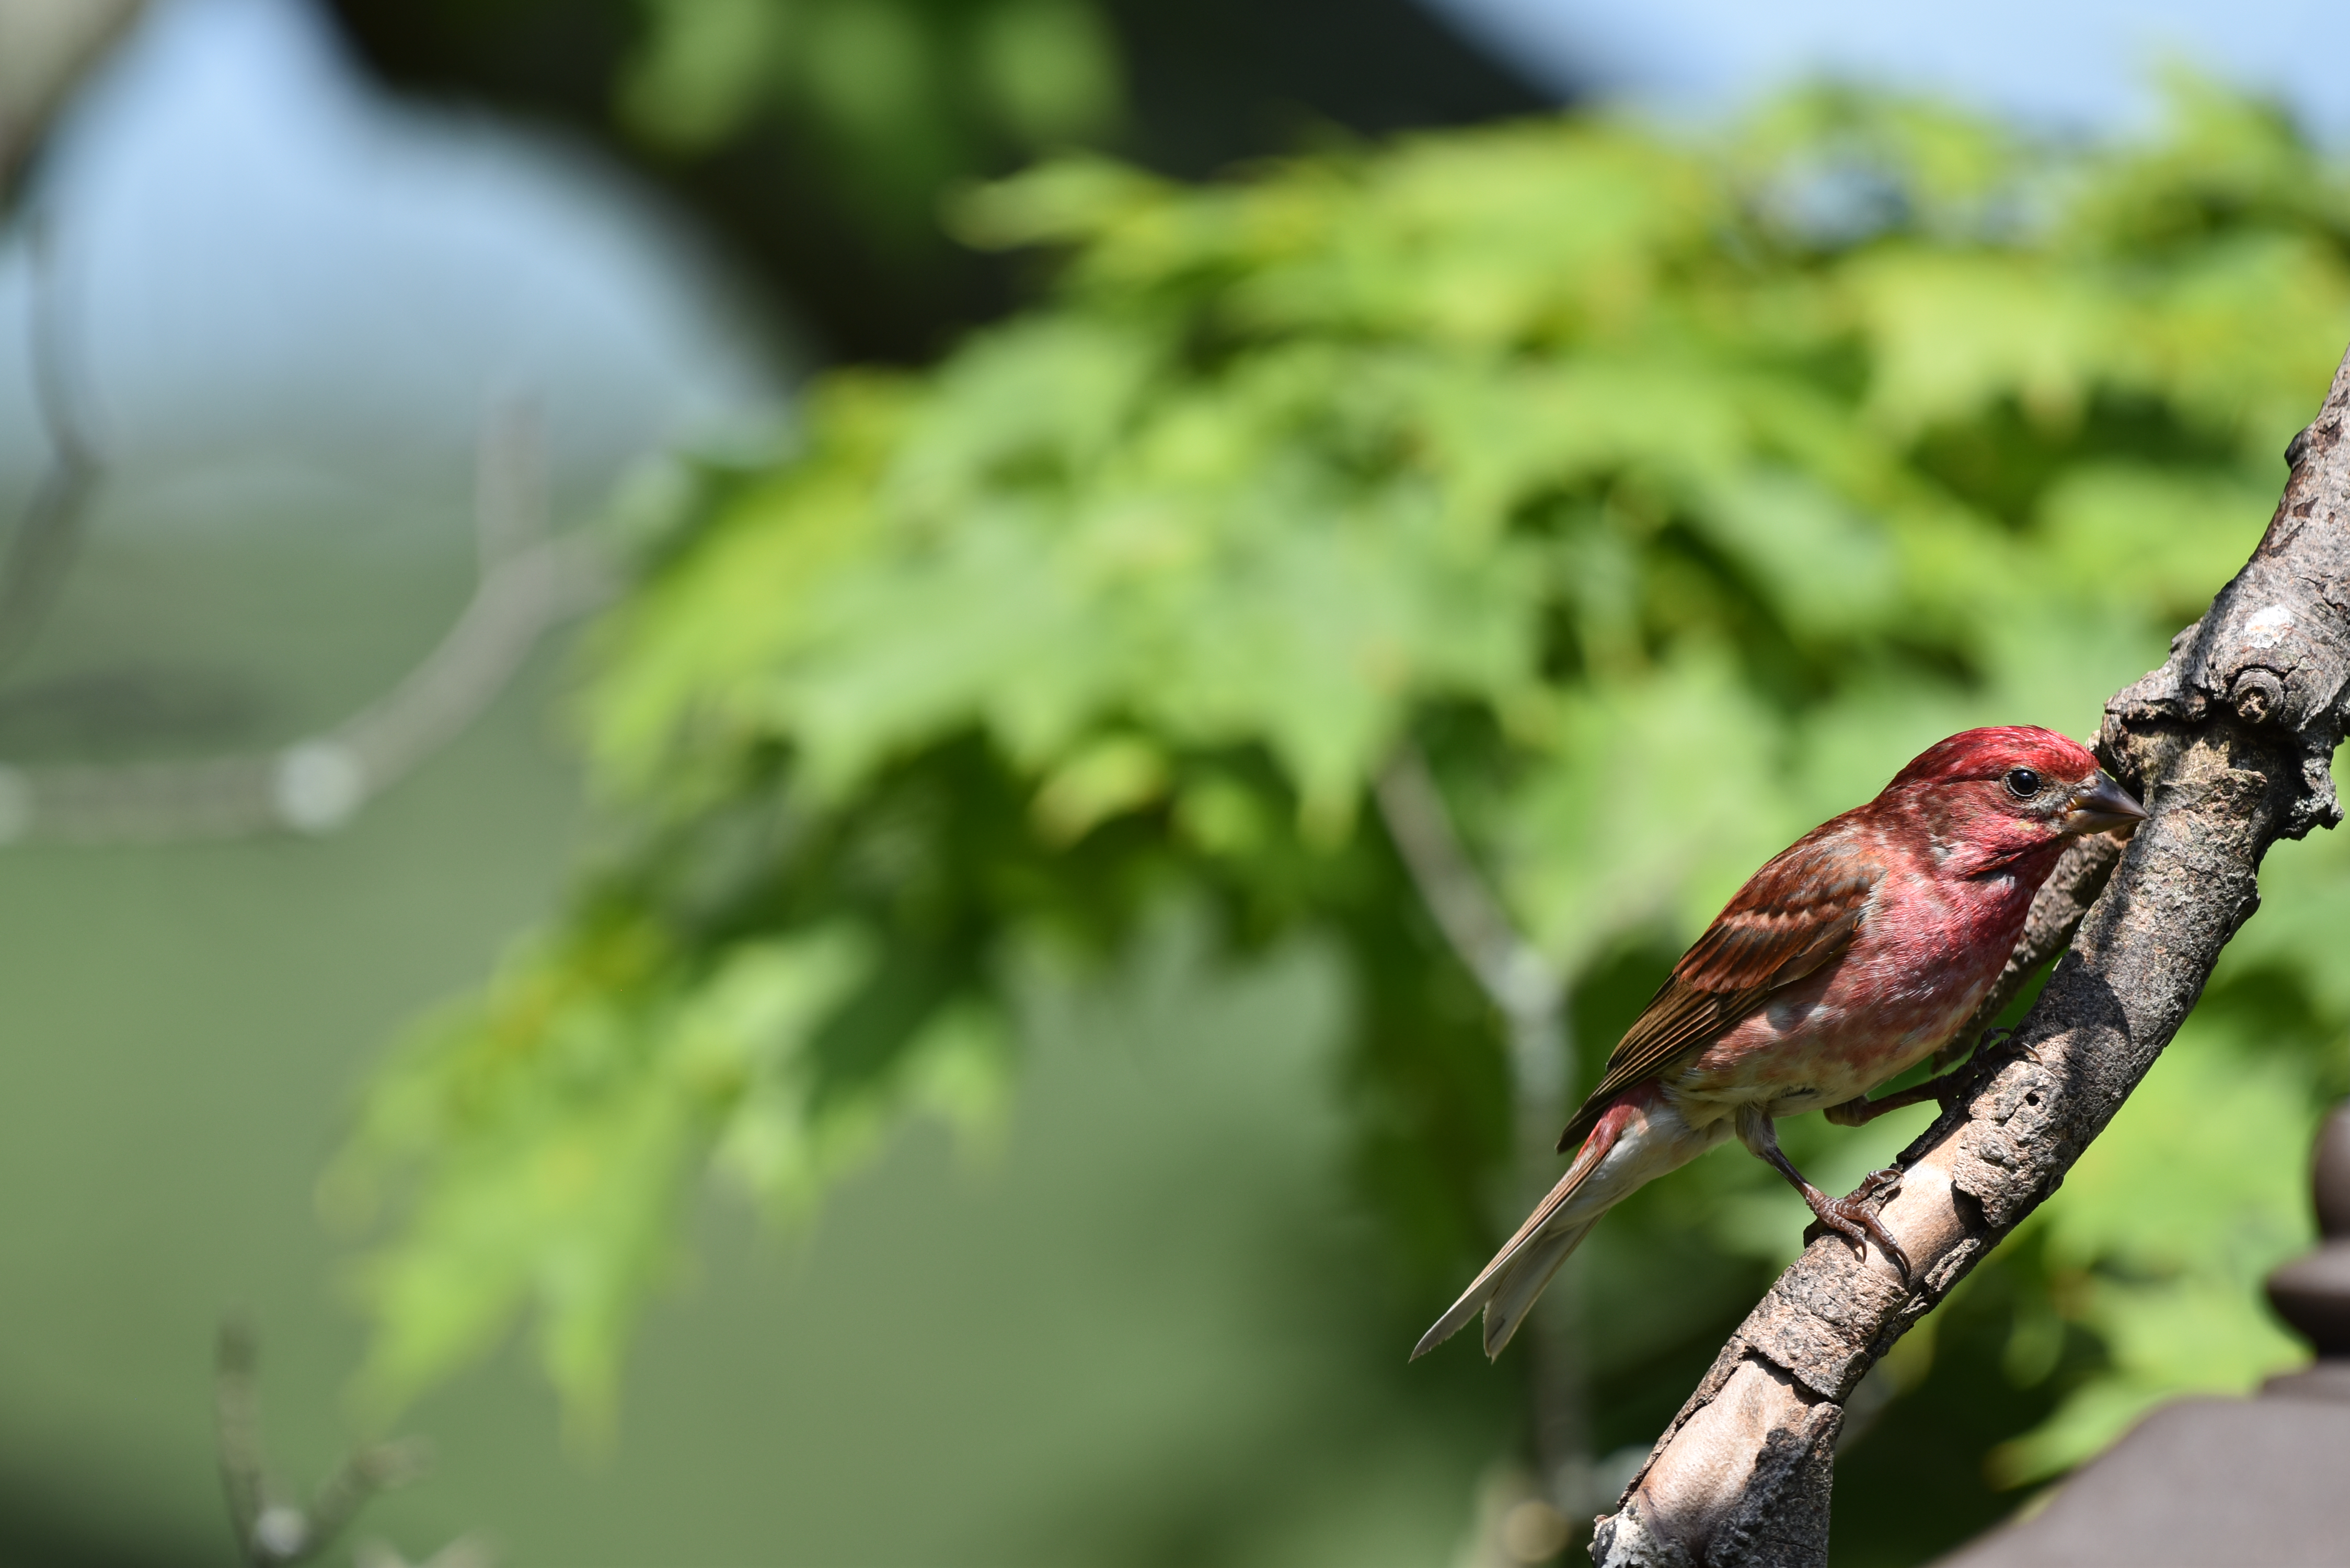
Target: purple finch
pixel 1853 955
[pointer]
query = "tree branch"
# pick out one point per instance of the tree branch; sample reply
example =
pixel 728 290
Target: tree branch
pixel 2229 745
pixel 527 581
pixel 33 567
pixel 1530 991
pixel 1519 980
pixel 47 48
pixel 271 1532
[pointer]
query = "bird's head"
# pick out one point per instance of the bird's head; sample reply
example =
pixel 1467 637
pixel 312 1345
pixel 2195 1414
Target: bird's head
pixel 1989 796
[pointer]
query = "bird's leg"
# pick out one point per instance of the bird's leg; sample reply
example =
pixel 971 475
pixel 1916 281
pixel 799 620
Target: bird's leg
pixel 1939 1090
pixel 1868 1108
pixel 1854 1217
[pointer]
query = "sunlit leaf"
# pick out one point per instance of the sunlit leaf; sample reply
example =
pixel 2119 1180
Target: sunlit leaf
pixel 1667 495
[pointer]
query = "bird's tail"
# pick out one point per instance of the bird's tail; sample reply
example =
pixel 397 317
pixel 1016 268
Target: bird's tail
pixel 1639 1137
pixel 1507 1288
pixel 1519 1285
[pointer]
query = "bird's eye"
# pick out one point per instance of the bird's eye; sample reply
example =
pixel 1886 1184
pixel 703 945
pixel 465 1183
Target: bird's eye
pixel 2023 783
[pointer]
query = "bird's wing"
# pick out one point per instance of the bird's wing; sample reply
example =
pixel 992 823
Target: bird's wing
pixel 1795 915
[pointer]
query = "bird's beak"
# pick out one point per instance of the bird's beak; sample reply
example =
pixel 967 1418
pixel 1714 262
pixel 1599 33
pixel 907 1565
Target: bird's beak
pixel 2099 804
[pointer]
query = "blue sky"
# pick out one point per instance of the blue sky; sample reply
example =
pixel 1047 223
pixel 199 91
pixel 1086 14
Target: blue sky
pixel 2066 64
pixel 263 252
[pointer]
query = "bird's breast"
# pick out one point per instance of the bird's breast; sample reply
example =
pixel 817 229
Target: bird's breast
pixel 1922 960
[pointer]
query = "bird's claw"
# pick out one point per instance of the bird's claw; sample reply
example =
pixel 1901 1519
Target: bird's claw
pixel 1854 1217
pixel 1875 1182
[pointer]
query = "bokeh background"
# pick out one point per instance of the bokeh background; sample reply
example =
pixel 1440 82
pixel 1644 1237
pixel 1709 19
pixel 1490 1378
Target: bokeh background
pixel 691 691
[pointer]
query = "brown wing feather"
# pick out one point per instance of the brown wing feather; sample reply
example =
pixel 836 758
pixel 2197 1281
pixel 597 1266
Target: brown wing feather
pixel 1795 915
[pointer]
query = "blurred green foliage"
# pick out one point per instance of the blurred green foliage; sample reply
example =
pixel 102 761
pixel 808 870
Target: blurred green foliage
pixel 816 139
pixel 904 96
pixel 1670 493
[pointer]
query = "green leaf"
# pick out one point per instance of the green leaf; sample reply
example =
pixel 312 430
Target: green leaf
pixel 559 1124
pixel 1667 493
pixel 2171 1250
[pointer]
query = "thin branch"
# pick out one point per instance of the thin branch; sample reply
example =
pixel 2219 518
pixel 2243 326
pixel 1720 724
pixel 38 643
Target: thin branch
pixel 1530 992
pixel 43 545
pixel 528 581
pixel 2230 744
pixel 1516 976
pixel 47 48
pixel 271 1532
pixel 236 1416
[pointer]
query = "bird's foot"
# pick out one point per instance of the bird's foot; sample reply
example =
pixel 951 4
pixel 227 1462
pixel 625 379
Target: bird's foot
pixel 1854 1217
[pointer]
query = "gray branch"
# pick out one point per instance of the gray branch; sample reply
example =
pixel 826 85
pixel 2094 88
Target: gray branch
pixel 273 1531
pixel 47 48
pixel 1516 976
pixel 2229 745
pixel 33 565
pixel 527 582
pixel 1530 991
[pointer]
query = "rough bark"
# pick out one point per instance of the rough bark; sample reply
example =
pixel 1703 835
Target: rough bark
pixel 2229 745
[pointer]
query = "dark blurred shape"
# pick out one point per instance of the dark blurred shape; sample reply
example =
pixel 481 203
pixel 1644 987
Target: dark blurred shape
pixel 36 1536
pixel 1208 82
pixel 1216 81
pixel 2313 1294
pixel 2331 1176
pixel 2225 1482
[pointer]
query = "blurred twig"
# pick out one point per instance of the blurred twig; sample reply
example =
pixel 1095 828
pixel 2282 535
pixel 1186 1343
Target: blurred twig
pixel 1519 981
pixel 1531 993
pixel 527 582
pixel 273 1532
pixel 43 545
pixel 47 48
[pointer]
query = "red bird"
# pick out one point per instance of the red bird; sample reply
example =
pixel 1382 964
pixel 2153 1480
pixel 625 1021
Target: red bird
pixel 1853 955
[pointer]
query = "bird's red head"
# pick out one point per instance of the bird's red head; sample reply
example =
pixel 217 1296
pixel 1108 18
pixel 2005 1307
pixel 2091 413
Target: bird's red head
pixel 1991 795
